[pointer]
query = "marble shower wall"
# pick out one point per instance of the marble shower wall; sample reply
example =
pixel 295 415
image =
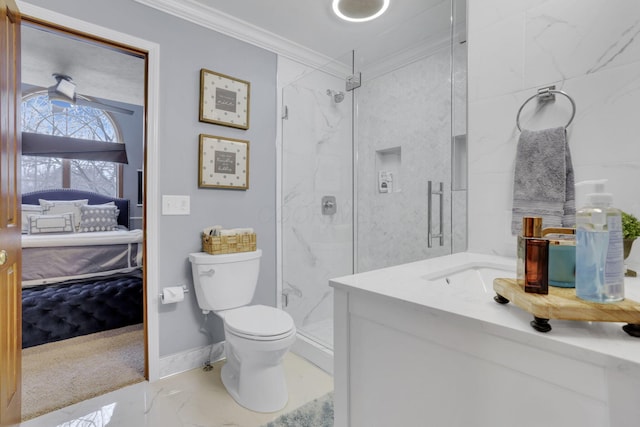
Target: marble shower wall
pixel 588 48
pixel 403 120
pixel 404 114
pixel 316 162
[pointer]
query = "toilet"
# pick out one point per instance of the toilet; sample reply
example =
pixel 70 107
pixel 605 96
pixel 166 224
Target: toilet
pixel 257 336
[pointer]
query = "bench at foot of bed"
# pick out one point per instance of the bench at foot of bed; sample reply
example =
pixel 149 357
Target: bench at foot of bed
pixel 56 312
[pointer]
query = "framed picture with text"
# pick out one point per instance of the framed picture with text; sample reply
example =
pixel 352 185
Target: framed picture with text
pixel 224 100
pixel 223 163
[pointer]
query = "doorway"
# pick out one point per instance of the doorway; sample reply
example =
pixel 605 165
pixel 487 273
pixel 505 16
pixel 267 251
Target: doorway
pixel 45 52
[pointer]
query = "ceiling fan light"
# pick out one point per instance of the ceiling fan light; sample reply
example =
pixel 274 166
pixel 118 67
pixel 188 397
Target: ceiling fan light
pixel 359 10
pixel 66 88
pixel 58 100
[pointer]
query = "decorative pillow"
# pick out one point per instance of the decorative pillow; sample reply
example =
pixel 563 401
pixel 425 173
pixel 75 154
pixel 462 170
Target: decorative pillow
pixel 26 211
pixel 62 223
pixel 98 218
pixel 55 207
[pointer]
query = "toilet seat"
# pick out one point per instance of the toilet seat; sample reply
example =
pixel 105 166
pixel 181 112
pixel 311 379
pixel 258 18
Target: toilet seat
pixel 259 322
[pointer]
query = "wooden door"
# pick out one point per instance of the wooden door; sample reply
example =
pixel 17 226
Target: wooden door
pixel 10 245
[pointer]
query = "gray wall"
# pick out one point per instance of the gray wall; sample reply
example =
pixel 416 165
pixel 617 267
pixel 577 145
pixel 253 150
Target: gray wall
pixel 185 48
pixel 132 132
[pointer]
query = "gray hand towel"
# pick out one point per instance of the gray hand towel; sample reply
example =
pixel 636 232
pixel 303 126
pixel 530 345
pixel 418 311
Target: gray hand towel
pixel 543 179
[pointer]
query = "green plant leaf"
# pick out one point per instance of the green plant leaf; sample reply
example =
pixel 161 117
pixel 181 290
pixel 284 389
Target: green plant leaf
pixel 630 226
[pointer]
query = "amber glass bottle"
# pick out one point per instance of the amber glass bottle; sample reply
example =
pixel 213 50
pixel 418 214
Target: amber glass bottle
pixel 533 257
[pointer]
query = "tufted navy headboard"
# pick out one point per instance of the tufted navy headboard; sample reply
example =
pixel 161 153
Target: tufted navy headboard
pixel 71 194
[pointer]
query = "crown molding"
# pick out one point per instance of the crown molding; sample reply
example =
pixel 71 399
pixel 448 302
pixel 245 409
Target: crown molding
pixel 213 19
pixel 223 23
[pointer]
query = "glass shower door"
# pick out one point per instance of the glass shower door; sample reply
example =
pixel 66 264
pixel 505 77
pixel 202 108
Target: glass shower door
pixel 317 191
pixel 356 165
pixel 404 142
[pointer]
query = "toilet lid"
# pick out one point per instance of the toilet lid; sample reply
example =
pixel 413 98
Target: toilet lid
pixel 259 321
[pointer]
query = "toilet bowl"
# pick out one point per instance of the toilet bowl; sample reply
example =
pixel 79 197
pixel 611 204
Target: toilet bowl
pixel 257 336
pixel 253 373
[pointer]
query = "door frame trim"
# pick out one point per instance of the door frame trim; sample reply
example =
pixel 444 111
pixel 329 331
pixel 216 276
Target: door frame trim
pixel 151 208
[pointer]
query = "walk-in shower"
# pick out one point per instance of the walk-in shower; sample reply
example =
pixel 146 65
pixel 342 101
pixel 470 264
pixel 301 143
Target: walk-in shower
pixel 361 140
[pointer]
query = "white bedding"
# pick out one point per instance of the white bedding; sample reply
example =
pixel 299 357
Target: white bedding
pixel 54 258
pixel 48 240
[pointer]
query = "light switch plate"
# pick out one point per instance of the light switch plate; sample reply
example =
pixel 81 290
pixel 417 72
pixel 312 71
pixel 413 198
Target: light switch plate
pixel 176 205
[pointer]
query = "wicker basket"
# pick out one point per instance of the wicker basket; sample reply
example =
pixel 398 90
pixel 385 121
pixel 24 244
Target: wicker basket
pixel 217 245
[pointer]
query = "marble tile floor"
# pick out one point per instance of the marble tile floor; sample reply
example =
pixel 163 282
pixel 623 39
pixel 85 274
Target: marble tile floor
pixel 193 398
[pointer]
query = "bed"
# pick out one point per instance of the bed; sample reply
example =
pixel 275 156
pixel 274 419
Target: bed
pixel 81 265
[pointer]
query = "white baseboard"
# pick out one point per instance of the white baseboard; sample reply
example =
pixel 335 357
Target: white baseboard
pixel 185 361
pixel 315 353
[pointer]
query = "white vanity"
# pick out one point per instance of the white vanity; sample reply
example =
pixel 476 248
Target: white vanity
pixel 425 344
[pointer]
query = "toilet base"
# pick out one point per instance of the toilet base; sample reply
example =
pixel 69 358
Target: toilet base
pixel 253 373
pixel 263 390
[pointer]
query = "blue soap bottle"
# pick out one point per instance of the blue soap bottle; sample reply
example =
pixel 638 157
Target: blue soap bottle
pixel 599 249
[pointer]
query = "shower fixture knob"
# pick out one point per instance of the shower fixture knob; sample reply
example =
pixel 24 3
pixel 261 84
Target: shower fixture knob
pixel 329 206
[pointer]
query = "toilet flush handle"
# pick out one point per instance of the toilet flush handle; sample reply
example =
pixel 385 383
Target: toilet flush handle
pixel 208 273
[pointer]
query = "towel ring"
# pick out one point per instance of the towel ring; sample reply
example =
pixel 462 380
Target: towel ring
pixel 546 94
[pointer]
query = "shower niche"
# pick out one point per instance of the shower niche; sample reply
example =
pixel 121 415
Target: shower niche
pixel 388 166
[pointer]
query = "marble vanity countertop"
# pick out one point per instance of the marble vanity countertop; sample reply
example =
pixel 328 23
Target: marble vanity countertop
pixel 423 284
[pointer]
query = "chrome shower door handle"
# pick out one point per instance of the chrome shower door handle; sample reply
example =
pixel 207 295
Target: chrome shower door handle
pixel 440 193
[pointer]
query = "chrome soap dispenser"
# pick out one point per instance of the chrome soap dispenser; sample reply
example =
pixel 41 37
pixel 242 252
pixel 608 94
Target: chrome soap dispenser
pixel 599 249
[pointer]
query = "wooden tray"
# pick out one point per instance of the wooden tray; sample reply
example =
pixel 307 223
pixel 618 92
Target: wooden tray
pixel 563 304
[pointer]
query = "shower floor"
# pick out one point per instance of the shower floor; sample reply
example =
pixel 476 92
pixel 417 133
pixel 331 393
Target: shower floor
pixel 320 332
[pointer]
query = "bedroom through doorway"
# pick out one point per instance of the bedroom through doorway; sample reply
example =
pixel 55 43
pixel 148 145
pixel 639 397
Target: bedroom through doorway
pixel 83 122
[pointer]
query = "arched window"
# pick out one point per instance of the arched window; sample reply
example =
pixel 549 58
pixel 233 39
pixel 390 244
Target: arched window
pixel 41 116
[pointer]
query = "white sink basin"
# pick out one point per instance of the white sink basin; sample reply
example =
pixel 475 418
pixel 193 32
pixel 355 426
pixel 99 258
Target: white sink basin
pixel 472 277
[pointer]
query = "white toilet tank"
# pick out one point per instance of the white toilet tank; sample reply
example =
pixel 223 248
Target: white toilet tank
pixel 225 281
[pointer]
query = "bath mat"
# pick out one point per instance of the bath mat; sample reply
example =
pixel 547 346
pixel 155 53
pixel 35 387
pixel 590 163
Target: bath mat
pixel 317 413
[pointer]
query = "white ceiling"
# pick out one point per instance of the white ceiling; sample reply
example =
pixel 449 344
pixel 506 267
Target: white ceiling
pixel 312 24
pixel 97 71
pixel 281 26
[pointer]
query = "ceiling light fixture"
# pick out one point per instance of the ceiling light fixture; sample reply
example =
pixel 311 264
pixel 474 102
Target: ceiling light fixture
pixel 63 95
pixel 65 86
pixel 359 10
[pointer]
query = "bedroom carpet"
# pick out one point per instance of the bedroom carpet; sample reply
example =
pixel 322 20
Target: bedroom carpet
pixel 59 374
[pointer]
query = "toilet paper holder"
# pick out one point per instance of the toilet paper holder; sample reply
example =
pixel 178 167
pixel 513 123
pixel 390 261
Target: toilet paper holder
pixel 184 289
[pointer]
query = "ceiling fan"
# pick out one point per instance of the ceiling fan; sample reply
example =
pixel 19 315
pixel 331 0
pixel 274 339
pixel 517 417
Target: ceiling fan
pixel 63 94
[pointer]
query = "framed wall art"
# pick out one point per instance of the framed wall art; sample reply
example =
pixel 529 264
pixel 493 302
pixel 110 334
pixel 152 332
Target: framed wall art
pixel 224 100
pixel 223 163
